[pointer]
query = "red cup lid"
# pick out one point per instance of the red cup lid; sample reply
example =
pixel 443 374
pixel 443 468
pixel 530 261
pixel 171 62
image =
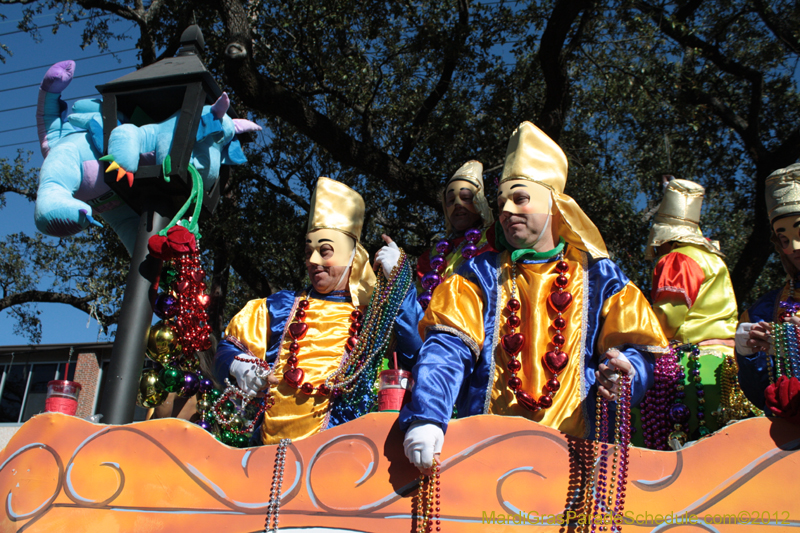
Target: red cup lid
pixel 64 383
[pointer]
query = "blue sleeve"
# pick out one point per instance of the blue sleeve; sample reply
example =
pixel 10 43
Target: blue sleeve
pixel 753 370
pixel 644 363
pixel 444 364
pixel 226 351
pixel 754 376
pixel 406 331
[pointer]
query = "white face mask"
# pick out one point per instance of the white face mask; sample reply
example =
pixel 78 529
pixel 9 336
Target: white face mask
pixel 328 247
pixel 460 192
pixel 523 197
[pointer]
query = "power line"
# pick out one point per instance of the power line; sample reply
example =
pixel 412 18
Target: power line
pixel 79 59
pixel 34 105
pixel 65 23
pixel 42 15
pixel 17 129
pixel 74 78
pixel 19 144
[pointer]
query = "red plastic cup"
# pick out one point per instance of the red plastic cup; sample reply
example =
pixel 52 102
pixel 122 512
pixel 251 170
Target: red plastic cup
pixel 394 390
pixel 62 397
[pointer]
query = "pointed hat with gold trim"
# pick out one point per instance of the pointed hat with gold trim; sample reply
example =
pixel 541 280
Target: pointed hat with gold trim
pixel 533 156
pixel 471 172
pixel 678 218
pixel 336 206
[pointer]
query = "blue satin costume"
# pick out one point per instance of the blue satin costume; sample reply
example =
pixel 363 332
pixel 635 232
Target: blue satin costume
pixel 754 368
pixel 279 307
pixel 451 371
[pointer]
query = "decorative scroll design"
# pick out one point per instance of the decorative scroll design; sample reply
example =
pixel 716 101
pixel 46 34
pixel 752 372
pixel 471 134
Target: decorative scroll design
pixel 357 478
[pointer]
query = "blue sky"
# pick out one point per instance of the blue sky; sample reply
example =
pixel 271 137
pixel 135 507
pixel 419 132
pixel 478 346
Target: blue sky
pixel 60 323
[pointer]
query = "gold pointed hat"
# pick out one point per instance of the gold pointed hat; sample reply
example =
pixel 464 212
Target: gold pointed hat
pixel 336 206
pixel 678 218
pixel 533 156
pixel 783 199
pixel 471 172
pixel 783 192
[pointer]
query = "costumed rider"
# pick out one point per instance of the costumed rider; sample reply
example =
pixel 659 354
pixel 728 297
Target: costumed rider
pixel 693 298
pixel 323 357
pixel 469 224
pixel 763 373
pixel 538 328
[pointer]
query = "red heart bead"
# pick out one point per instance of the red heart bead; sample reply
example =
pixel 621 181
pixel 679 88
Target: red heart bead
pixel 181 286
pixel 512 344
pixel 298 330
pixel 203 299
pixel 555 361
pixel 560 300
pixel 527 401
pixel 352 341
pixel 198 275
pixel 294 377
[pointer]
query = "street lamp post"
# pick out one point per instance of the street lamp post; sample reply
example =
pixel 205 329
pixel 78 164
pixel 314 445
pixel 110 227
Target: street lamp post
pixel 151 95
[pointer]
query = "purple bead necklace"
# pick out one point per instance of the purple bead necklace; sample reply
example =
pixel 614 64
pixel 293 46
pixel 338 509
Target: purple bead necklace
pixel 605 493
pixel 438 262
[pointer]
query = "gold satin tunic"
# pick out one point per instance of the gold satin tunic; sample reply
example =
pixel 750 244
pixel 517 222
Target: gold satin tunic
pixel 297 415
pixel 626 319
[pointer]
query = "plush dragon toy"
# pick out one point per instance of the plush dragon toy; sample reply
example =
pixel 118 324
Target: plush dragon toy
pixel 72 190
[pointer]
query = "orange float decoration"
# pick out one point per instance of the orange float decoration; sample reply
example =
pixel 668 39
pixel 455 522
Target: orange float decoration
pixel 60 473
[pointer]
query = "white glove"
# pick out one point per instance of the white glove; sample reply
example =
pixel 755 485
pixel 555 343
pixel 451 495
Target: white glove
pixel 423 440
pixel 741 338
pixel 388 256
pixel 621 357
pixel 250 377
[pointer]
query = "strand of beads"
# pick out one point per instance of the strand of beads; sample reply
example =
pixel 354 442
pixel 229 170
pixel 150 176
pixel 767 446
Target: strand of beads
pixel 679 413
pixel 384 305
pixel 192 303
pixel 360 395
pixel 233 416
pixel 789 307
pixel 439 264
pixel 733 403
pixel 694 373
pixel 554 360
pixel 274 505
pixel 787 349
pixel 605 493
pixel 655 408
pixel 429 501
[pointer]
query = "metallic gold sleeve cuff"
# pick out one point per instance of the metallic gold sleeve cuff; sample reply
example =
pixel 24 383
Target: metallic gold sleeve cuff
pixel 471 344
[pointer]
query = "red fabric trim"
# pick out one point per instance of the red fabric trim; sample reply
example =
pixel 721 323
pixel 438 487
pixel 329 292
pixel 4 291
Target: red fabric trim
pixel 424 263
pixel 677 273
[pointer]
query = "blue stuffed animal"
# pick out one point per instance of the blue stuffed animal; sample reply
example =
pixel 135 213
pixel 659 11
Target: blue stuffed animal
pixel 71 186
